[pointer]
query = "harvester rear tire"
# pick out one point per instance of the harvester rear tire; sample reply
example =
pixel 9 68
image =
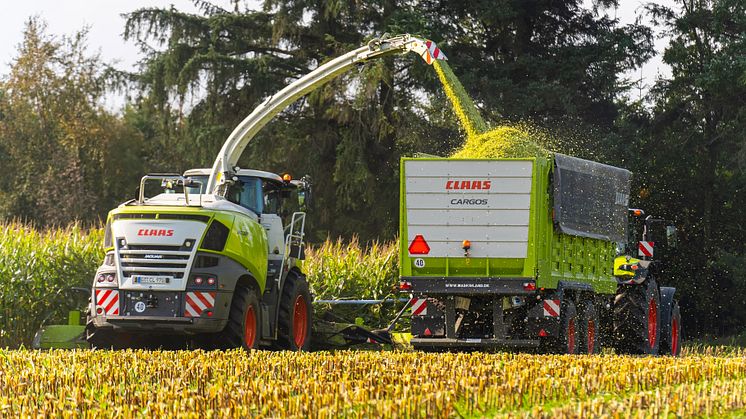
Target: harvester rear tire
pixel 296 314
pixel 671 343
pixel 590 342
pixel 637 319
pixel 244 321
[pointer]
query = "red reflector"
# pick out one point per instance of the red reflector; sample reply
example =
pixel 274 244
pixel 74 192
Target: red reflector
pixel 419 246
pixel 543 333
pixel 209 314
pixel 428 332
pixel 529 286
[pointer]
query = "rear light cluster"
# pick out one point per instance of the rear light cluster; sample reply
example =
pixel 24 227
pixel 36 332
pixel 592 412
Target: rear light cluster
pixel 405 286
pixel 205 280
pixel 106 278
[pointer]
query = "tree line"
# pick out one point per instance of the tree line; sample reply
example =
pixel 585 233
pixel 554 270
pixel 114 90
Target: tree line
pixel 558 66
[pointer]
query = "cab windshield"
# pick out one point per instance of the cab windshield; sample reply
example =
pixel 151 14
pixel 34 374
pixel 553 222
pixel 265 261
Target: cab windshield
pixel 198 189
pixel 247 192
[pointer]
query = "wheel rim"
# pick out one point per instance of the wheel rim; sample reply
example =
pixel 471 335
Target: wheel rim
pixel 300 321
pixel 652 323
pixel 591 336
pixel 249 331
pixel 571 336
pixel 675 337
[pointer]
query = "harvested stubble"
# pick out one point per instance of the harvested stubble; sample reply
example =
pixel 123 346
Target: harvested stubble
pixel 365 384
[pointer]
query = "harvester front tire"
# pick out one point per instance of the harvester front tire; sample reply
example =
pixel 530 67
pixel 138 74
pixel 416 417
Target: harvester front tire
pixel 244 322
pixel 637 319
pixel 296 314
pixel 671 343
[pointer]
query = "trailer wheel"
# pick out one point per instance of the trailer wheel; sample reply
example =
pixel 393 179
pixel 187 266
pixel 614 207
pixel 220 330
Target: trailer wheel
pixel 296 314
pixel 671 344
pixel 570 330
pixel 591 342
pixel 244 323
pixel 637 319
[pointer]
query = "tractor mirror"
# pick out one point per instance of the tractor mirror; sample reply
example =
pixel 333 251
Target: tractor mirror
pixel 671 236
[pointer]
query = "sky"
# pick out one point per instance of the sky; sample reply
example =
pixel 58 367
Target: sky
pixel 106 24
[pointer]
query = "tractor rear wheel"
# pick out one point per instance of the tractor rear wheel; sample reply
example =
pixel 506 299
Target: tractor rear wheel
pixel 637 319
pixel 296 314
pixel 590 342
pixel 671 342
pixel 244 322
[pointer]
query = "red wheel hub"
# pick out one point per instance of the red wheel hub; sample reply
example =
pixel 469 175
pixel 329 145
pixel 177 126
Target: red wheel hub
pixel 571 336
pixel 249 328
pixel 300 321
pixel 652 323
pixel 675 337
pixel 591 336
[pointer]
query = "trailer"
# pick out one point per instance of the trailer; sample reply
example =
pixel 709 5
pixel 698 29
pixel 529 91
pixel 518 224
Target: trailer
pixel 521 253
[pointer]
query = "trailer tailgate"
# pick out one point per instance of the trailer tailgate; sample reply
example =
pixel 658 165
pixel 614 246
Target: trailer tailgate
pixel 487 202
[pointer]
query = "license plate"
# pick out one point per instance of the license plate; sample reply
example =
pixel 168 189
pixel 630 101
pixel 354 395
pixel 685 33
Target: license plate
pixel 152 279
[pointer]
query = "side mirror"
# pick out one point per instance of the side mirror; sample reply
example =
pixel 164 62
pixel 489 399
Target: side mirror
pixel 302 199
pixel 304 193
pixel 671 236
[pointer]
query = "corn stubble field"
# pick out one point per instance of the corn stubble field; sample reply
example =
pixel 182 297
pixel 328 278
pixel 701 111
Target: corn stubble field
pixel 366 384
pixel 36 265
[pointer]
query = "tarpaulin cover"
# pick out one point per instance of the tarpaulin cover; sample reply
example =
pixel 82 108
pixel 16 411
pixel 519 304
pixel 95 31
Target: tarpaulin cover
pixel 591 199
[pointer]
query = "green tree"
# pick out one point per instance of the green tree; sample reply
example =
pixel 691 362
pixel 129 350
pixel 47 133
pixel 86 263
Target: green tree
pixel 687 152
pixel 545 63
pixel 65 157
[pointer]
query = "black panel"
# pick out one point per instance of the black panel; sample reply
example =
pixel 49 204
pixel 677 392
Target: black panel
pixel 216 237
pixel 468 286
pixel 591 199
pixel 193 217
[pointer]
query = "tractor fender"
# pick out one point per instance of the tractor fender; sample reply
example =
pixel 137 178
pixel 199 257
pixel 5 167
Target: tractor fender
pixel 667 294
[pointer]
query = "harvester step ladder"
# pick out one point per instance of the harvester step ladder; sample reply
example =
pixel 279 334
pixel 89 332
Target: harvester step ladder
pixel 294 238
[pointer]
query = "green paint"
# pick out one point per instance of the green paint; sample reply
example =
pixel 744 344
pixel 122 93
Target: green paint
pixel 551 257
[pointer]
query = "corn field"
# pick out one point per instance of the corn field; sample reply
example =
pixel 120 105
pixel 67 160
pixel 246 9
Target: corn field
pixel 37 268
pixel 366 384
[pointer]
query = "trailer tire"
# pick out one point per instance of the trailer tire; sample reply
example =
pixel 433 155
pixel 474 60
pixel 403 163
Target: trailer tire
pixel 637 319
pixel 570 330
pixel 671 344
pixel 296 314
pixel 244 321
pixel 591 335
